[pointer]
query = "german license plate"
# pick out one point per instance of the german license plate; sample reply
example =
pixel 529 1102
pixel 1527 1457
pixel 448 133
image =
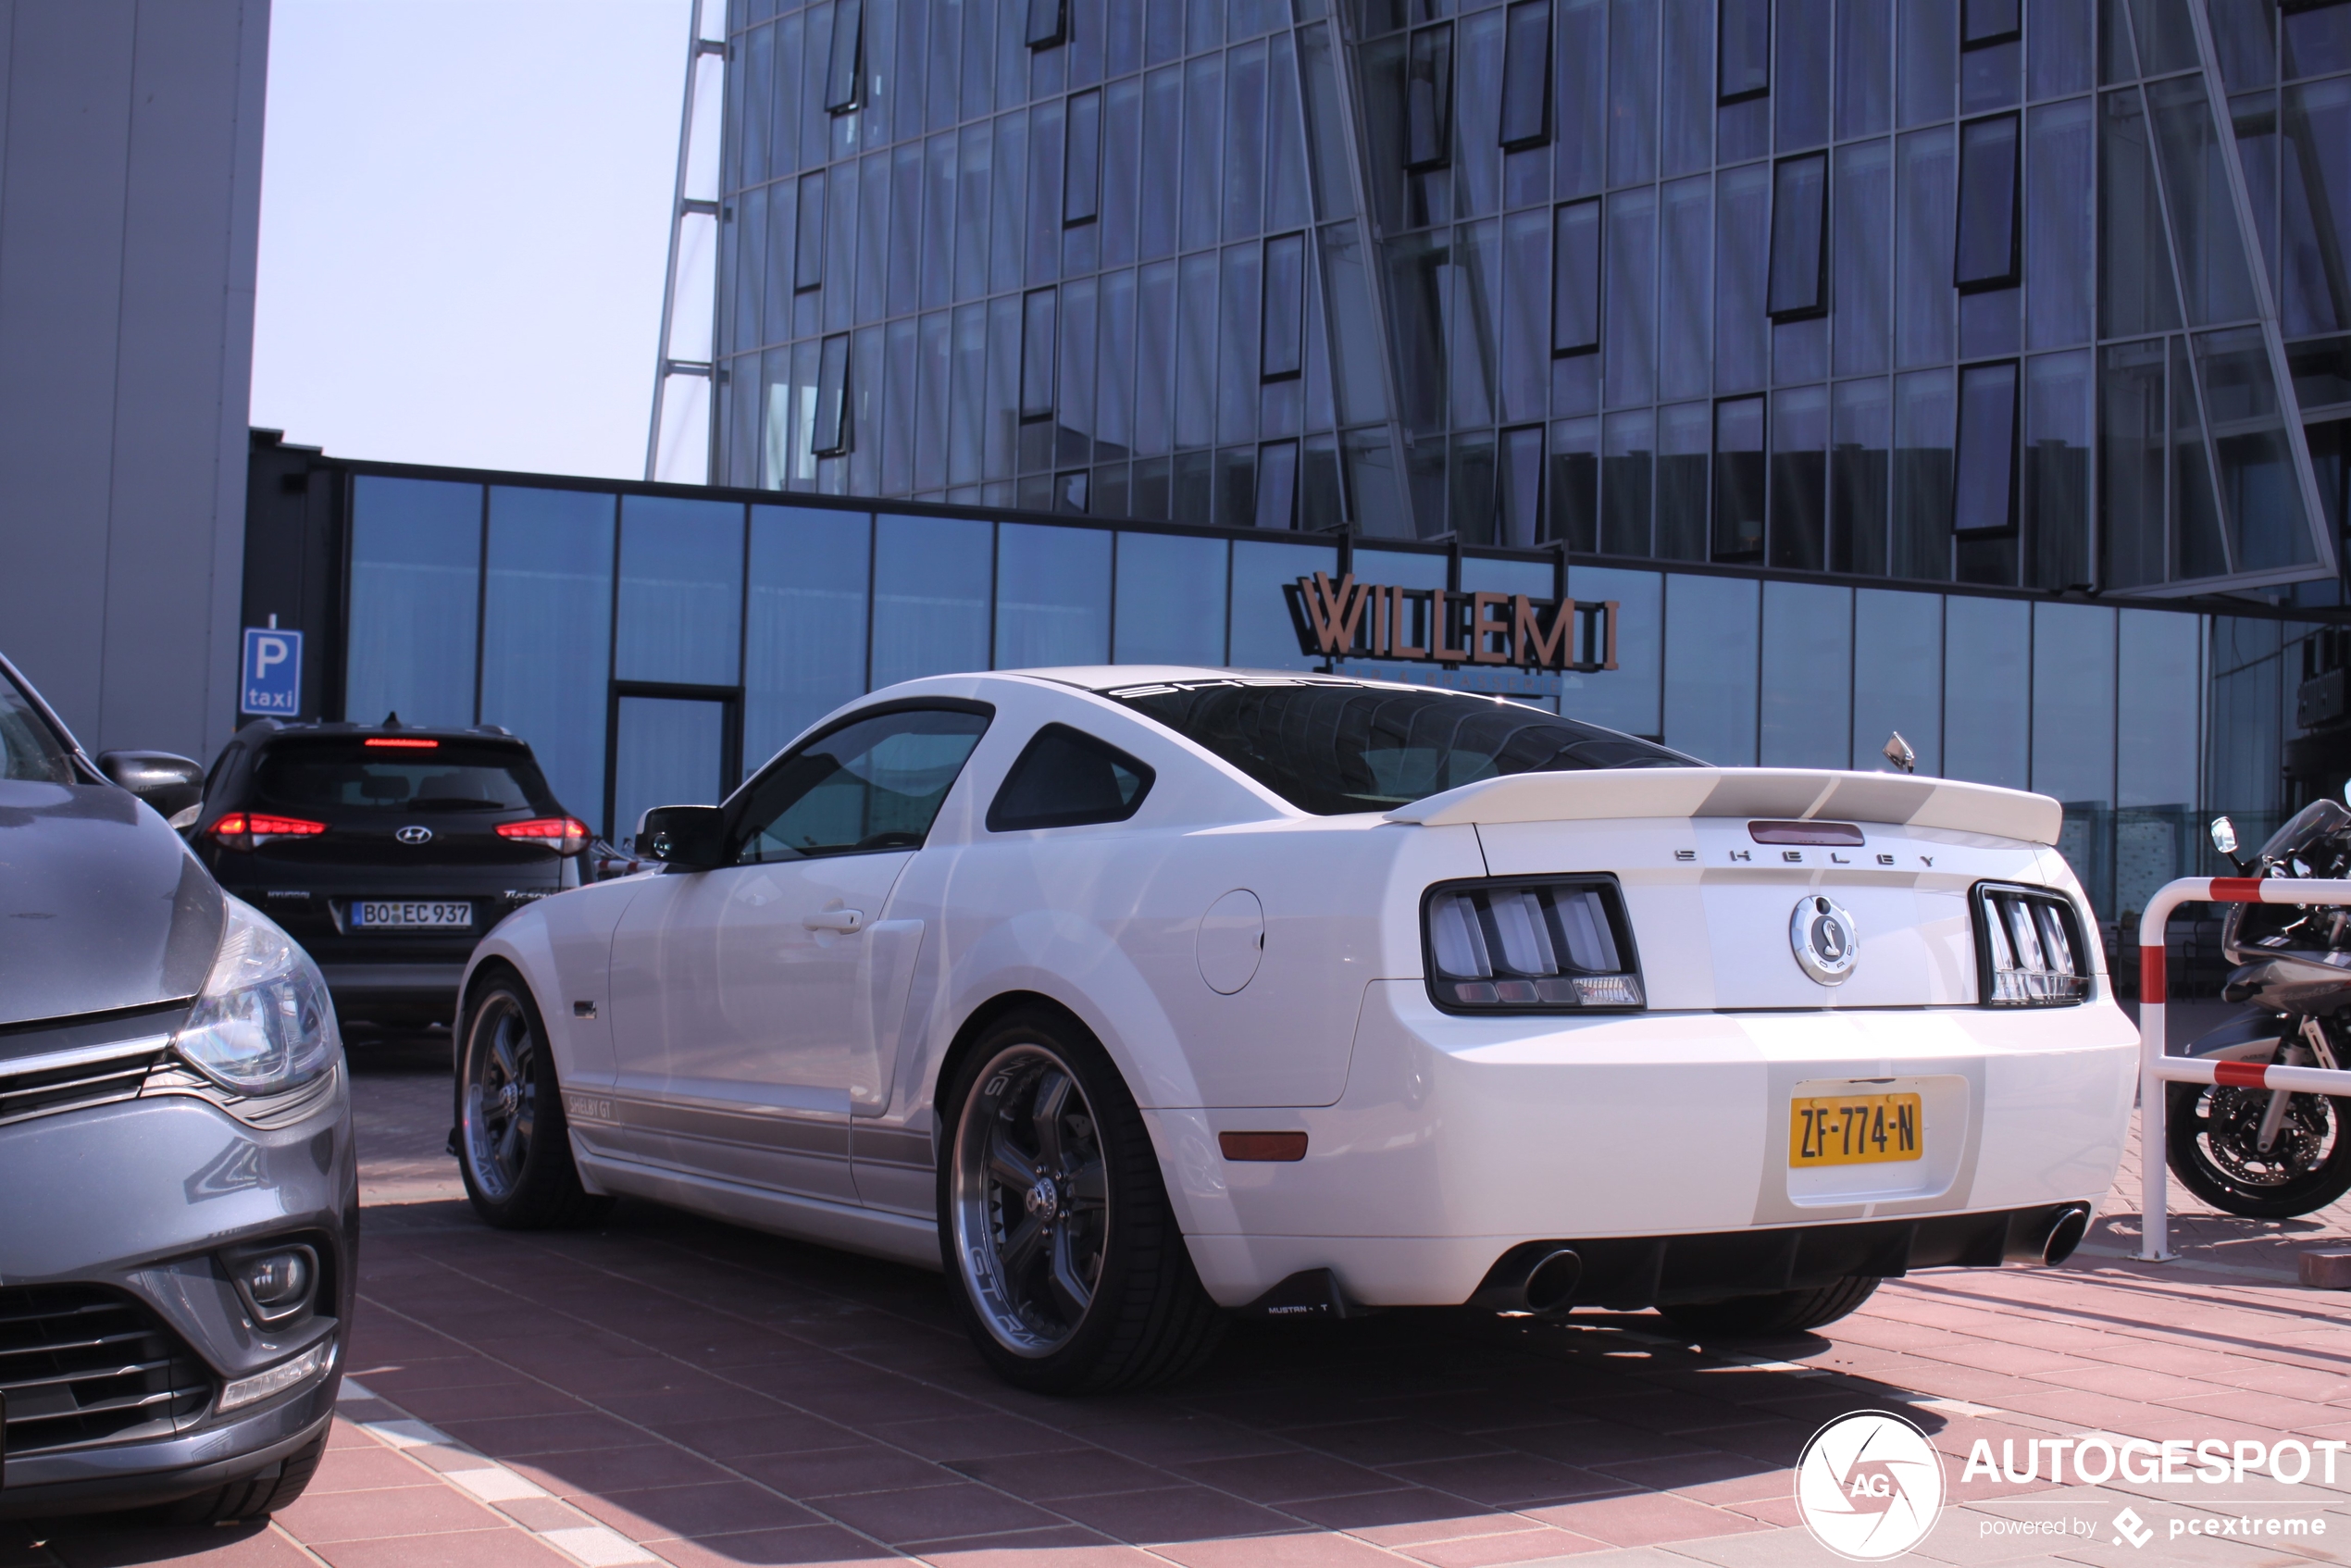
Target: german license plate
pixel 408 915
pixel 1853 1129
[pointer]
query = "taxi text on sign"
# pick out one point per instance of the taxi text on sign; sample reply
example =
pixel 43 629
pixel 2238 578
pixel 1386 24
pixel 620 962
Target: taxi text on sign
pixel 271 683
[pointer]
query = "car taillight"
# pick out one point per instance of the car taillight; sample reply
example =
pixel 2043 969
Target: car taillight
pixel 1543 945
pixel 565 835
pixel 243 830
pixel 2028 947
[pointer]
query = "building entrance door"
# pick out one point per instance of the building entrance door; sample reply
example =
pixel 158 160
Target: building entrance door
pixel 669 750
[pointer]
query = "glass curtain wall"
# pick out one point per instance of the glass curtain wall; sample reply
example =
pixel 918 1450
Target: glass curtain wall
pixel 1078 255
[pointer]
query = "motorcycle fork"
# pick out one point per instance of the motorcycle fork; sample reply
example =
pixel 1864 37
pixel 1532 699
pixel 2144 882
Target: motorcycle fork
pixel 2318 1047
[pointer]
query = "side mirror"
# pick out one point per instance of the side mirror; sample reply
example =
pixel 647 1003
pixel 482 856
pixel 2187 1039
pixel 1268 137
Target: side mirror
pixel 170 784
pixel 2224 836
pixel 690 838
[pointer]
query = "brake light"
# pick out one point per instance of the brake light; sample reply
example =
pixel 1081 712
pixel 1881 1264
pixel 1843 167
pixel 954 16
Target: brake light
pixel 243 830
pixel 1538 944
pixel 401 745
pixel 565 835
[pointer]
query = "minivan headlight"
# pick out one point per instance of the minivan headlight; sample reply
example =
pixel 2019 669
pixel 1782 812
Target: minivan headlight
pixel 1530 945
pixel 262 1023
pixel 2028 947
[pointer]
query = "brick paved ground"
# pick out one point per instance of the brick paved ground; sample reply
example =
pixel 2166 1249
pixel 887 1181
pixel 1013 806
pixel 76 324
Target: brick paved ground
pixel 667 1389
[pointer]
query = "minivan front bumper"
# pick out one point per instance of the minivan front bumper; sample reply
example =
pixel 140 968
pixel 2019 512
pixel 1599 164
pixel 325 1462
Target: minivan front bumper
pixel 138 1199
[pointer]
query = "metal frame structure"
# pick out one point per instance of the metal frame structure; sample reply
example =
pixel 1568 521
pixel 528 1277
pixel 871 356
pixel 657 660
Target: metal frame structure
pixel 690 206
pixel 2157 1069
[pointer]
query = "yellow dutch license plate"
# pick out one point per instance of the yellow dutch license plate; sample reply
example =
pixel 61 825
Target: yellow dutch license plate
pixel 1853 1129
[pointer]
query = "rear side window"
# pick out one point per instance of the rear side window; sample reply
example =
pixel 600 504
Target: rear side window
pixel 435 776
pixel 1333 747
pixel 871 784
pixel 1066 779
pixel 30 750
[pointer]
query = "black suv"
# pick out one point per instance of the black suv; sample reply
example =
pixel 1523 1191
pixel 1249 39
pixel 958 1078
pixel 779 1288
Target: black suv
pixel 385 851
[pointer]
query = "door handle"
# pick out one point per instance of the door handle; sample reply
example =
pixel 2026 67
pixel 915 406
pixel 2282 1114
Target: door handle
pixel 836 920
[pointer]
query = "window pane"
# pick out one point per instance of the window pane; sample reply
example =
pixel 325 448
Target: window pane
pixel 808 264
pixel 681 574
pixel 2196 549
pixel 1986 257
pixel 1575 278
pixel 1742 255
pixel 1631 91
pixel 1284 349
pixel 1926 415
pixel 1081 174
pixel 1045 24
pixel 1261 634
pixel 1928 68
pixel 1203 139
pixel 1581 94
pixel 2134 292
pixel 415 564
pixel 2056 469
pixel 1744 57
pixel 669 752
pixel 876 783
pixel 1053 596
pixel 1625 490
pixel 1987 663
pixel 1862 441
pixel 2057 43
pixel 1711 664
pixel 806 652
pixel 2157 675
pixel 2213 280
pixel 1864 66
pixel 1626 697
pixel 1239 319
pixel 1008 442
pixel 832 398
pixel 1897 674
pixel 1171 600
pixel 1922 329
pixel 930 597
pixel 2261 495
pixel 841 72
pixel 2073 702
pixel 1245 141
pixel 1989 21
pixel 1121 196
pixel 547 631
pixel 1163 142
pixel 938 223
pixel 1799 212
pixel 1287 199
pixel 1689 28
pixel 1630 363
pixel 2131 464
pixel 1573 493
pixel 1428 97
pixel 1074 401
pixel 1738 479
pixel 1800 90
pixel 1687 243
pixel 1808 675
pixel 2316 206
pixel 1864 218
pixel 1037 355
pixel 1799 477
pixel 1155 359
pixel 1684 447
pixel 1526 73
pixel 1195 354
pixel 1045 147
pixel 2058 229
pixel 1985 500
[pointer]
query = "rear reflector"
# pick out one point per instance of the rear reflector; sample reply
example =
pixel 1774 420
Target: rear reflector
pixel 565 835
pixel 1282 1147
pixel 243 830
pixel 1834 833
pixel 402 744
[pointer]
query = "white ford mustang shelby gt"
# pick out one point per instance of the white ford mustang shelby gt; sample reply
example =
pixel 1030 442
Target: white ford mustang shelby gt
pixel 1132 996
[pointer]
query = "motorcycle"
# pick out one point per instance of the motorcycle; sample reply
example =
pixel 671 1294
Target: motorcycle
pixel 2271 1154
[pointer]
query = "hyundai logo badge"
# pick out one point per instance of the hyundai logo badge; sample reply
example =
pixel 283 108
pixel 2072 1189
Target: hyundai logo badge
pixel 415 833
pixel 1825 943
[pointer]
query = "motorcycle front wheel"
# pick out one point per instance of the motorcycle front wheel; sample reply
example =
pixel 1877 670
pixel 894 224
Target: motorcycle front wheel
pixel 2213 1138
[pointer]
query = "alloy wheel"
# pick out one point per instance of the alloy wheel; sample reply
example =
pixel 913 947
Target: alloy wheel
pixel 500 1097
pixel 1030 1199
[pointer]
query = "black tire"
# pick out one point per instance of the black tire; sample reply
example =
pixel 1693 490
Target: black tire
pixel 1038 1101
pixel 514 1146
pixel 1784 1312
pixel 249 1497
pixel 2210 1140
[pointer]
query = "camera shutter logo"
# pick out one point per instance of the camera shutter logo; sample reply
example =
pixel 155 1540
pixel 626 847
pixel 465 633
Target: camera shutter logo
pixel 1870 1485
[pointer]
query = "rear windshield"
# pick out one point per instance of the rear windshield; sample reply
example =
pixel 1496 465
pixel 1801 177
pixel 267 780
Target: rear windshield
pixel 1334 747
pixel 451 775
pixel 30 749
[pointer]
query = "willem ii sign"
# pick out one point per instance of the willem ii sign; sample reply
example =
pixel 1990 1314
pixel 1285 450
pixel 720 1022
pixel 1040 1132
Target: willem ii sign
pixel 1356 620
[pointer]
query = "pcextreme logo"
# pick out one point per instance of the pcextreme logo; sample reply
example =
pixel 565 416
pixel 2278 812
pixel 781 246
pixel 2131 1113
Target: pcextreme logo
pixel 1869 1485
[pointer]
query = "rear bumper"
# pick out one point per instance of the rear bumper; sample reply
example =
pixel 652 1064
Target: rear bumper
pixel 1458 1140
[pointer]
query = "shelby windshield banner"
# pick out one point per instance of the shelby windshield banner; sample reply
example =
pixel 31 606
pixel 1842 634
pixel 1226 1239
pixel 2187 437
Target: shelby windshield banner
pixel 1357 620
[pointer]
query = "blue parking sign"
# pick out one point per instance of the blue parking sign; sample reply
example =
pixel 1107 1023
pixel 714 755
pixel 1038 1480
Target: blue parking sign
pixel 272 681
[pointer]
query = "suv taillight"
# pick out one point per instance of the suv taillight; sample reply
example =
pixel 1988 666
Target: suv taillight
pixel 243 830
pixel 565 835
pixel 2028 947
pixel 1532 944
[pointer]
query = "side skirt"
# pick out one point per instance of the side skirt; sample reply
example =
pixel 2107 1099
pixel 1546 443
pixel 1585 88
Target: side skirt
pixel 901 1238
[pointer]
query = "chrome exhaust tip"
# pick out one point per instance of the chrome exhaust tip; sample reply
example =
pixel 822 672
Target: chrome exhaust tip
pixel 1551 1284
pixel 2066 1229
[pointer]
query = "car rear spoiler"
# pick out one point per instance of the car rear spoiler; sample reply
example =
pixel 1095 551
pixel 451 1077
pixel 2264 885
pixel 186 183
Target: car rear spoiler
pixel 1784 793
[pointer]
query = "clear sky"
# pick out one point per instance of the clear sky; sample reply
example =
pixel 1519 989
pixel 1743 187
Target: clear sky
pixel 464 224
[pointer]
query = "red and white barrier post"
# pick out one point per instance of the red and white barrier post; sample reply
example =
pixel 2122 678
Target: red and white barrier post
pixel 2155 1069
